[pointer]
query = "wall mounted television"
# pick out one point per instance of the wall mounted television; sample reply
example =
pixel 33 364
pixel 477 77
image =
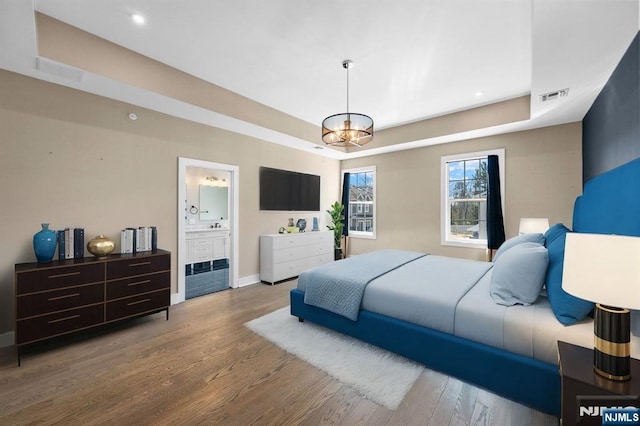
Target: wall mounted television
pixel 286 190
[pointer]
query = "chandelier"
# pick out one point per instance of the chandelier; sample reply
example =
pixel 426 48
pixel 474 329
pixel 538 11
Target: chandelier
pixel 347 128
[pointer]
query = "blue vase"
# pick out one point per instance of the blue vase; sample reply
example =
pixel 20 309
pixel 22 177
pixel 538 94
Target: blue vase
pixel 44 243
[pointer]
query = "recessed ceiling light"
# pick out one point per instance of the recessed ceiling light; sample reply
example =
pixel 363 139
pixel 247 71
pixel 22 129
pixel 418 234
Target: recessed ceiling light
pixel 137 18
pixel 479 93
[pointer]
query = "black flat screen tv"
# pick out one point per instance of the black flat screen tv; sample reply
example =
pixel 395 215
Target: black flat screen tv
pixel 285 190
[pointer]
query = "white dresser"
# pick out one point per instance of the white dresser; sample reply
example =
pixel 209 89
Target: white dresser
pixel 284 256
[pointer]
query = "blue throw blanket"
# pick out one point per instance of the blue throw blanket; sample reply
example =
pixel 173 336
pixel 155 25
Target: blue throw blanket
pixel 339 286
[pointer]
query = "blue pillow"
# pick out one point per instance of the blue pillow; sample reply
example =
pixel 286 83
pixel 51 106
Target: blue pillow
pixel 518 275
pixel 512 242
pixel 568 309
pixel 557 230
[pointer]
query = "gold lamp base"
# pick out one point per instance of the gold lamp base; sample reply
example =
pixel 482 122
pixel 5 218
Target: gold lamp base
pixel 612 342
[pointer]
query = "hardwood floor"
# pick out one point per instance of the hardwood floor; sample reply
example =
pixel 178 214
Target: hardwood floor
pixel 204 367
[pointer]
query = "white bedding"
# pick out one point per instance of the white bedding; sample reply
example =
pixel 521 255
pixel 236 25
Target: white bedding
pixel 532 331
pixel 525 330
pixel 421 292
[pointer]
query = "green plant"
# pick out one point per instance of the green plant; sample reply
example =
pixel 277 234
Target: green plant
pixel 336 223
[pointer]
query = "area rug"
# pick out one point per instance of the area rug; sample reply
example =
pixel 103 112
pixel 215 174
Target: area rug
pixel 378 375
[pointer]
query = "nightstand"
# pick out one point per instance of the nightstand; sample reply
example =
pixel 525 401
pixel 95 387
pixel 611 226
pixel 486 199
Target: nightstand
pixel 579 379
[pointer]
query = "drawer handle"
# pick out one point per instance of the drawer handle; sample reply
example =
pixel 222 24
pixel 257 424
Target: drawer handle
pixel 138 283
pixel 138 302
pixel 64 319
pixel 64 297
pixel 140 264
pixel 64 275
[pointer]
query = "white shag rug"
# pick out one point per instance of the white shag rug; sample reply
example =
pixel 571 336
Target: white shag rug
pixel 378 375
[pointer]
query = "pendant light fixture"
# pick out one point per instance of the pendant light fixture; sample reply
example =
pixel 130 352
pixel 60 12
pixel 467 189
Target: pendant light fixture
pixel 347 128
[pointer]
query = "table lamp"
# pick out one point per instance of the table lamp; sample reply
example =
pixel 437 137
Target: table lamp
pixel 531 225
pixel 605 269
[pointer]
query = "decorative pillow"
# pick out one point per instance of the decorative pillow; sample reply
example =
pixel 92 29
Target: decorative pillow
pixel 568 309
pixel 518 275
pixel 512 242
pixel 557 230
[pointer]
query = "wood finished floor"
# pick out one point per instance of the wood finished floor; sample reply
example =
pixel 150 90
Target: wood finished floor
pixel 204 367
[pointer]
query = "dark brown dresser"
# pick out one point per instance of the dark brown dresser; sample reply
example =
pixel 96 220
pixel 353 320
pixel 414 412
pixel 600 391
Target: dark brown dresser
pixel 60 297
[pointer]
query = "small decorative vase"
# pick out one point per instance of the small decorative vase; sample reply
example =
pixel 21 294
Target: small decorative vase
pixel 100 246
pixel 44 243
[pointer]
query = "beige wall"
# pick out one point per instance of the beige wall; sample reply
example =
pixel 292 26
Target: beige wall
pixel 75 160
pixel 543 177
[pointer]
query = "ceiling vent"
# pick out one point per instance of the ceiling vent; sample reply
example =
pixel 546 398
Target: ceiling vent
pixel 552 96
pixel 60 70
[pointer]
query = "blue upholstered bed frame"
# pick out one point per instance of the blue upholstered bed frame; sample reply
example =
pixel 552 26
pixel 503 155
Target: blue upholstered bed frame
pixel 610 204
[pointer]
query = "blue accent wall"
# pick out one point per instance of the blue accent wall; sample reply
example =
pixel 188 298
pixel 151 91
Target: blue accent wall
pixel 611 127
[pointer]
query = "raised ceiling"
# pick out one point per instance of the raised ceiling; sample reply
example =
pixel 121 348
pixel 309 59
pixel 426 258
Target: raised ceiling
pixel 414 59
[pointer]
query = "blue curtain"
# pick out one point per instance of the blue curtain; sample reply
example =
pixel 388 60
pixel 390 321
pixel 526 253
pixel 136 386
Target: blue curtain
pixel 495 222
pixel 345 203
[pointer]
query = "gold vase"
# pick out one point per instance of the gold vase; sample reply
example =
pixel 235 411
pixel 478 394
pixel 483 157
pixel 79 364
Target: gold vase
pixel 100 246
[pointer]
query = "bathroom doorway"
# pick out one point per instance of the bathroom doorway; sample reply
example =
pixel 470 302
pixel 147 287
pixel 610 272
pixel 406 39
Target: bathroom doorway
pixel 207 228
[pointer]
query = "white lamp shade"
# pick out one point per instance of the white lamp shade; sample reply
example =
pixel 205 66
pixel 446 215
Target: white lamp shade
pixel 531 225
pixel 604 269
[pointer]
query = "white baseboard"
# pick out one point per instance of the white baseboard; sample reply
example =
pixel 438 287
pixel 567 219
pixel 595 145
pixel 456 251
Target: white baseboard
pixel 175 299
pixel 6 339
pixel 252 279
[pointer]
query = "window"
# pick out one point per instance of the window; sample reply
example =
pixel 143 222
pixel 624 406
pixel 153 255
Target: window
pixel 362 197
pixel 464 197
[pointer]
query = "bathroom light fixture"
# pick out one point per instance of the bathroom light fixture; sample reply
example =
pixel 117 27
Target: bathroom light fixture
pixel 347 128
pixel 215 181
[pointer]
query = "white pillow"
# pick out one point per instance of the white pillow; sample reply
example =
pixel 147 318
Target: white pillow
pixel 518 275
pixel 512 242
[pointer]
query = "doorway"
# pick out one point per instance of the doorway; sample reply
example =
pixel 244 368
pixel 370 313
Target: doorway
pixel 206 184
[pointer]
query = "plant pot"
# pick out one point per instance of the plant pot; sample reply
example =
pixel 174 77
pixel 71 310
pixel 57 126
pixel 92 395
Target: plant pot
pixel 337 254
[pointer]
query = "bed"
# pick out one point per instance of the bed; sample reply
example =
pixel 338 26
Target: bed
pixel 455 326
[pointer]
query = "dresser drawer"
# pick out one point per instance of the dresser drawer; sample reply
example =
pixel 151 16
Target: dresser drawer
pixel 136 285
pixel 287 255
pixel 289 241
pixel 319 237
pixel 57 300
pixel 318 249
pixel 292 269
pixel 38 328
pixel 137 266
pixel 53 278
pixel 139 304
pixel 320 260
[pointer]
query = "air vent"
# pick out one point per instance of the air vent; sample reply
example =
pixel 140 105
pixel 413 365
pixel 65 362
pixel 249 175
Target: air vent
pixel 58 69
pixel 552 96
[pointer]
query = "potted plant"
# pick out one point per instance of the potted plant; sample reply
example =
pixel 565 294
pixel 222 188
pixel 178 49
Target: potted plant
pixel 336 226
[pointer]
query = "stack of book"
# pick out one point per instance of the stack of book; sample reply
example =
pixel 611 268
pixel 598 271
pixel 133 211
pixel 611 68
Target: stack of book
pixel 135 240
pixel 70 243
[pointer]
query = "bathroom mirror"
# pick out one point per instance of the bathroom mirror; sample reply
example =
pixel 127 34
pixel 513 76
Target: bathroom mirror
pixel 214 202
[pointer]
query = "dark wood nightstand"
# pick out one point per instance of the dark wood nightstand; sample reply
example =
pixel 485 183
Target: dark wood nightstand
pixel 579 379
